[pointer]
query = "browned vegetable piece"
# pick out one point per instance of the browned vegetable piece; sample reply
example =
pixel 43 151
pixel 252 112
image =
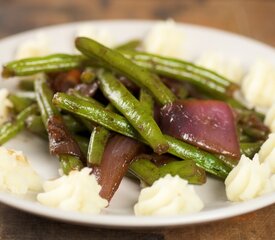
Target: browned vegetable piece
pixel 118 154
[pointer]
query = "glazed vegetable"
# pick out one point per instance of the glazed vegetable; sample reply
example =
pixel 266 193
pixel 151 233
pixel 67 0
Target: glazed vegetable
pixel 19 103
pixel 51 63
pixel 62 82
pixel 178 88
pixel 119 150
pixel 26 84
pixel 130 45
pixel 148 172
pixel 98 140
pixel 134 112
pixel 203 78
pixel 35 124
pixel 147 102
pixel 88 76
pixel 61 142
pixel 208 124
pixel 112 59
pixel 251 148
pixel 10 129
pixel 117 123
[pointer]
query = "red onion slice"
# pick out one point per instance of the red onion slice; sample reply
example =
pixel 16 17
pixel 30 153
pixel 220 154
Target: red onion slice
pixel 208 124
pixel 118 154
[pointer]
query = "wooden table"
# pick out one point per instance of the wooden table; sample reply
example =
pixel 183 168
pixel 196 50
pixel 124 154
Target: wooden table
pixel 253 18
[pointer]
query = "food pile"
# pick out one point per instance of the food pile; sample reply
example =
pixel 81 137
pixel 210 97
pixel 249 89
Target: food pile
pixel 132 110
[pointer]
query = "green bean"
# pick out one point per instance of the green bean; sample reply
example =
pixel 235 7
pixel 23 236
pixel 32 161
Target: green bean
pixel 88 75
pixel 134 112
pixel 47 109
pixel 72 124
pixel 83 143
pixel 99 114
pixel 242 111
pixel 51 63
pixel 130 45
pixel 147 101
pixel 183 70
pixel 26 84
pixel 112 59
pixel 249 149
pixel 35 125
pixel 117 123
pixel 69 163
pixel 11 129
pixel 19 102
pixel 148 172
pixel 85 98
pixel 254 133
pixel 97 145
pixel 98 140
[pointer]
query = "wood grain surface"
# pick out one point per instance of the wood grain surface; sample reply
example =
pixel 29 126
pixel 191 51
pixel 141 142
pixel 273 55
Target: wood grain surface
pixel 253 18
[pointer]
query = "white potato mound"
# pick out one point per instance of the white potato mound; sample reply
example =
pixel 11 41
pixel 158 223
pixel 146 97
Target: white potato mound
pixel 165 39
pixel 5 105
pixel 267 152
pixel 248 180
pixel 16 174
pixel 270 117
pixel 100 35
pixel 38 46
pixel 78 191
pixel 258 86
pixel 168 196
pixel 228 67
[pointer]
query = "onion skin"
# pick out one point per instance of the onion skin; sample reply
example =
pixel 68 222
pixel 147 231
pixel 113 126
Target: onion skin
pixel 60 140
pixel 118 154
pixel 208 124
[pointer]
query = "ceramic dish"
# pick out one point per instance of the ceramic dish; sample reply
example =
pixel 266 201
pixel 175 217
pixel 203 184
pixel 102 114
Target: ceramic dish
pixel 120 212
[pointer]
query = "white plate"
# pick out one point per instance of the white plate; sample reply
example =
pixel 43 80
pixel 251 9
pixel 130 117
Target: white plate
pixel 120 212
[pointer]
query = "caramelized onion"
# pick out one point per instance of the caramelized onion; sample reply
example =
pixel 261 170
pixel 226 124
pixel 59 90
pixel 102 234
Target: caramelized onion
pixel 208 124
pixel 118 154
pixel 60 139
pixel 62 82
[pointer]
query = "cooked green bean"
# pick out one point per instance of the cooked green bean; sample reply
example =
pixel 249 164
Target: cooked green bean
pixel 97 145
pixel 134 112
pixel 35 125
pixel 72 124
pixel 184 70
pixel 88 75
pixel 147 101
pixel 251 148
pixel 83 143
pixel 51 63
pixel 47 109
pixel 26 84
pixel 10 129
pixel 69 163
pixel 99 114
pixel 130 45
pixel 148 172
pixel 254 133
pixel 117 123
pixel 19 102
pixel 112 59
